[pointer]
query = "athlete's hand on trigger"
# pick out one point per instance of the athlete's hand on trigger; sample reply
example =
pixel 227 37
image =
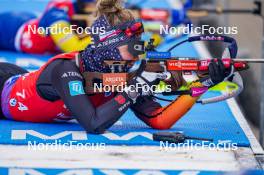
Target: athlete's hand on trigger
pixel 147 80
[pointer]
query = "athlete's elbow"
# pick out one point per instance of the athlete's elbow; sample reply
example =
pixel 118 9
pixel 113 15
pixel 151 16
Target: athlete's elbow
pixel 160 127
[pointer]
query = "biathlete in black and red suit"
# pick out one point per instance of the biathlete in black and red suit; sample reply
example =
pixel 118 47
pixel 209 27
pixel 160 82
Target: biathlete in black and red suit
pixel 56 90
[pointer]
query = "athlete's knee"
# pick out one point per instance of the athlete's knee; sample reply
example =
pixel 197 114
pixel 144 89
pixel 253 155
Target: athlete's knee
pixel 95 130
pixel 93 127
pixel 99 130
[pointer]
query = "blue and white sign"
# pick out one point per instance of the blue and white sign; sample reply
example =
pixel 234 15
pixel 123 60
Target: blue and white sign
pixel 158 55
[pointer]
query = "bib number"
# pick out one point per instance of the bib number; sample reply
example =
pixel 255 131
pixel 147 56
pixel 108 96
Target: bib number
pixel 22 107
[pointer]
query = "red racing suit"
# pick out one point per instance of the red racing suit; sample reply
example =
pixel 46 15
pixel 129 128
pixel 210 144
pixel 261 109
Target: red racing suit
pixel 20 100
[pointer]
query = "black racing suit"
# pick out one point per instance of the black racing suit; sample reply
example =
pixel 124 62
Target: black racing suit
pixel 51 86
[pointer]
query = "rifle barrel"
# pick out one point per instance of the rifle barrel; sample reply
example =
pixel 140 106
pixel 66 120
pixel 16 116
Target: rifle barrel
pixel 253 60
pixel 220 11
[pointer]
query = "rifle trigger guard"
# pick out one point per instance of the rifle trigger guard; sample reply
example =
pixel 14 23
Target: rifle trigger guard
pixel 162 64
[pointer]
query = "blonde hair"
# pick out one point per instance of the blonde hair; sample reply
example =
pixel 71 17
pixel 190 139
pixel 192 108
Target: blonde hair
pixel 113 11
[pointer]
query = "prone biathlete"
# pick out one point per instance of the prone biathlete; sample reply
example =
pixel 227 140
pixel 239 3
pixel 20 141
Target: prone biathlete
pixel 19 30
pixel 56 91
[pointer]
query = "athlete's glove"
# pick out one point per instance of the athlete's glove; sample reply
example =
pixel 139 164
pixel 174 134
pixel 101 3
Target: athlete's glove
pixel 52 16
pixel 217 73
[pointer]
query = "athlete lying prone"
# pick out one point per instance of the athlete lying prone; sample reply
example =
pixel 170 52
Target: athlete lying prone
pixel 50 33
pixel 56 90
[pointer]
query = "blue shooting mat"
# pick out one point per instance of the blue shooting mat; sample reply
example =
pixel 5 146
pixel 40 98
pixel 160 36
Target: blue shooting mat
pixel 11 171
pixel 214 121
pixel 201 121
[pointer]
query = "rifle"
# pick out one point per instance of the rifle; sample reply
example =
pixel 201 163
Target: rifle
pixel 166 66
pixel 203 12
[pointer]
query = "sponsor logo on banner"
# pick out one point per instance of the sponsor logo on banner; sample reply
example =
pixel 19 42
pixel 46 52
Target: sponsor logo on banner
pixel 178 65
pixel 76 88
pixel 111 79
pixel 204 64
